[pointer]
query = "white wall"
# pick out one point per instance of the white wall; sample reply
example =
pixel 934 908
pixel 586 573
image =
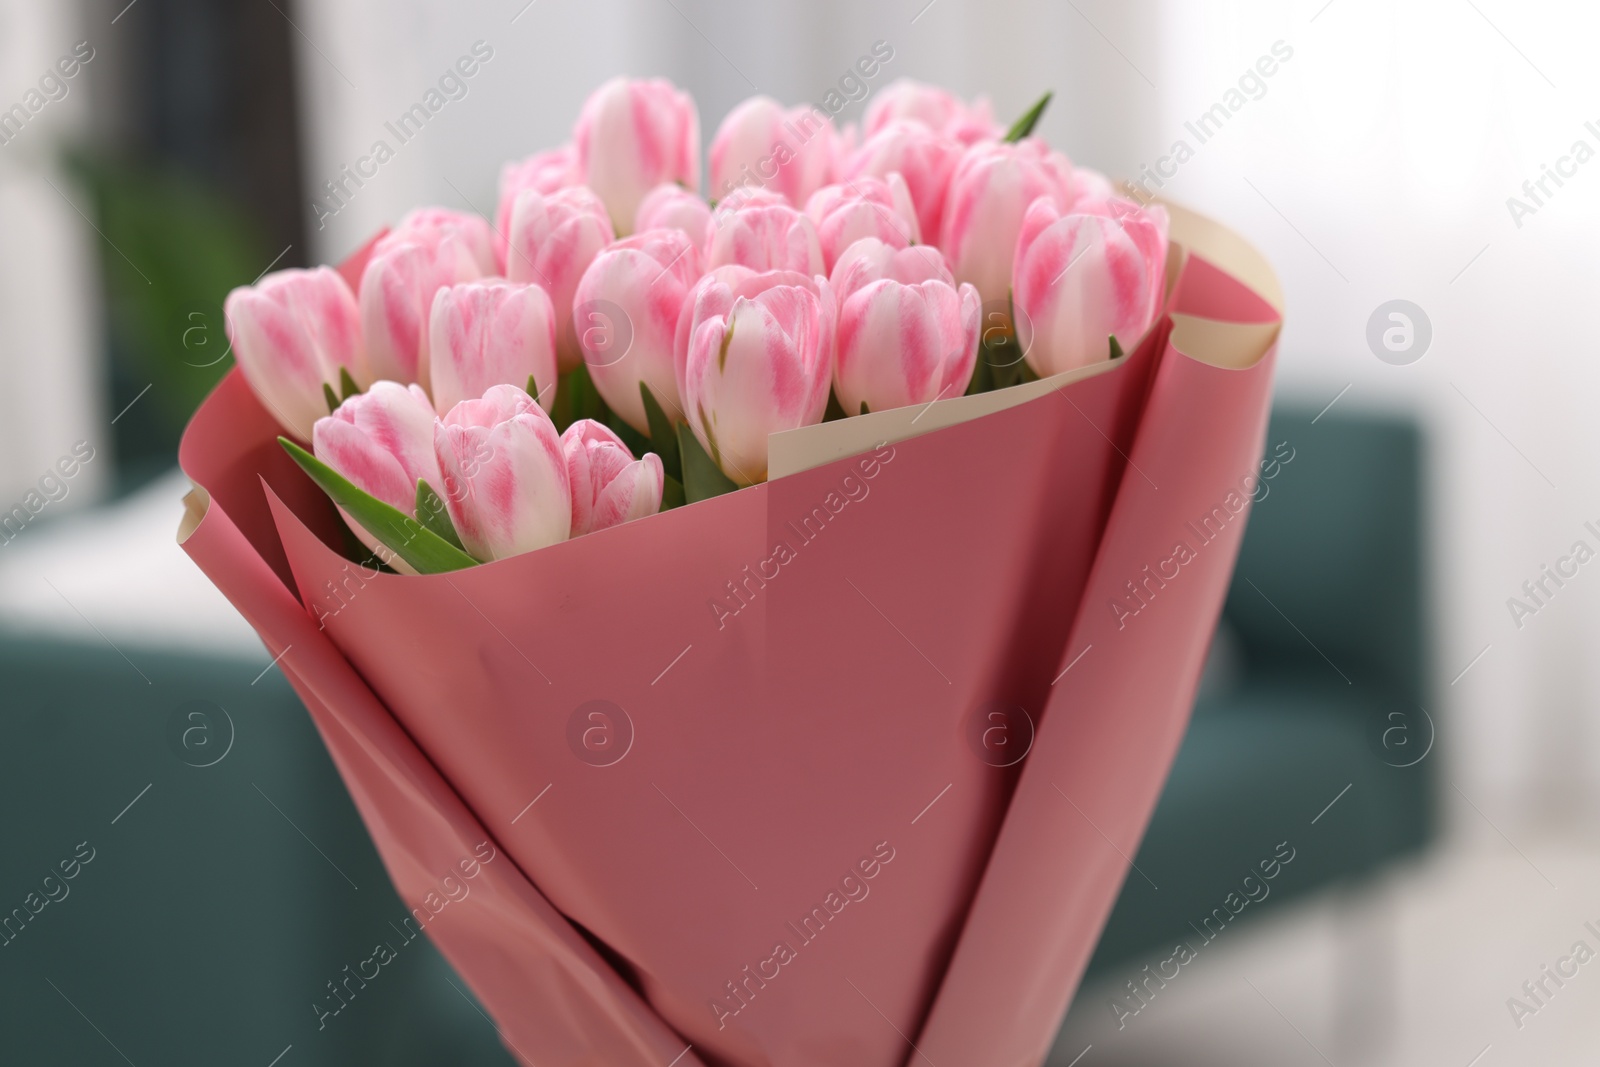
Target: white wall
pixel 1376 166
pixel 50 342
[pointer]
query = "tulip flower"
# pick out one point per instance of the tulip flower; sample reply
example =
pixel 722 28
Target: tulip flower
pixel 750 196
pixel 788 150
pixel 543 172
pixel 671 205
pixel 609 486
pixel 552 241
pixel 759 360
pixel 1087 184
pixel 504 473
pixel 864 207
pixel 427 252
pixel 940 111
pixel 431 227
pixel 991 190
pixel 292 333
pixel 925 158
pixel 491 332
pixel 870 260
pixel 382 441
pixel 764 237
pixel 1084 277
pixel 633 135
pixel 627 307
pixel 905 344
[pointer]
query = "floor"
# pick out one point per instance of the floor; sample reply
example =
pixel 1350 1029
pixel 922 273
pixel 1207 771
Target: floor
pixel 1417 969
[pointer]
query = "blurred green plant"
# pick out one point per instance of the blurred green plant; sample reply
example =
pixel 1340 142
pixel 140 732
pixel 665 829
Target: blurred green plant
pixel 173 247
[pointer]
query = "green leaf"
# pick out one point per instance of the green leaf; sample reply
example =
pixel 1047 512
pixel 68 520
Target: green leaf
pixel 835 410
pixel 1116 349
pixel 434 516
pixel 331 397
pixel 663 441
pixel 532 388
pixel 1030 118
pixel 671 493
pixel 864 410
pixel 347 385
pixel 419 546
pixel 702 478
pixel 577 398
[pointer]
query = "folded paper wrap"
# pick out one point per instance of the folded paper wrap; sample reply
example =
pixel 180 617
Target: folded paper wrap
pixel 845 768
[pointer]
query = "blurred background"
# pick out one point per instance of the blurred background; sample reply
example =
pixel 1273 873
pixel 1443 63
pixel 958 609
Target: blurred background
pixel 1429 756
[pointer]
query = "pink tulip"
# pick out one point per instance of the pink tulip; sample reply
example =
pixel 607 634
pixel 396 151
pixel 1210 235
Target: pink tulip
pixel 670 205
pixel 627 307
pixel 609 486
pixel 505 474
pixel 1082 278
pixel 292 333
pixel 750 196
pixel 432 227
pixel 926 160
pixel 382 441
pixel 864 207
pixel 870 260
pixel 553 240
pixel 905 344
pixel 408 266
pixel 989 193
pixel 731 275
pixel 633 135
pixel 1087 184
pixel 763 237
pixel 491 332
pixel 935 108
pixel 543 172
pixel 788 150
pixel 759 360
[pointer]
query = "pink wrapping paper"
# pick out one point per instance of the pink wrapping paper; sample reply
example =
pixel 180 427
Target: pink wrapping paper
pixel 743 766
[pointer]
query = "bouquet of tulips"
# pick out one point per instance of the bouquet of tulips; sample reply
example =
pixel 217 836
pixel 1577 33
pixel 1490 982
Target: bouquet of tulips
pixel 519 506
pixel 651 322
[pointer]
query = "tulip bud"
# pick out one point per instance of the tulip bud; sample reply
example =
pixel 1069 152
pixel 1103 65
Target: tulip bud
pixel 1082 278
pixel 864 207
pixel 750 196
pixel 633 135
pixel 431 227
pixel 543 172
pixel 763 237
pixel 487 333
pixel 627 308
pixel 428 251
pixel 504 473
pixel 905 344
pixel 553 240
pixel 924 158
pixel 759 360
pixel 609 486
pixel 382 441
pixel 292 333
pixel 940 111
pixel 761 143
pixel 869 260
pixel 989 193
pixel 670 205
